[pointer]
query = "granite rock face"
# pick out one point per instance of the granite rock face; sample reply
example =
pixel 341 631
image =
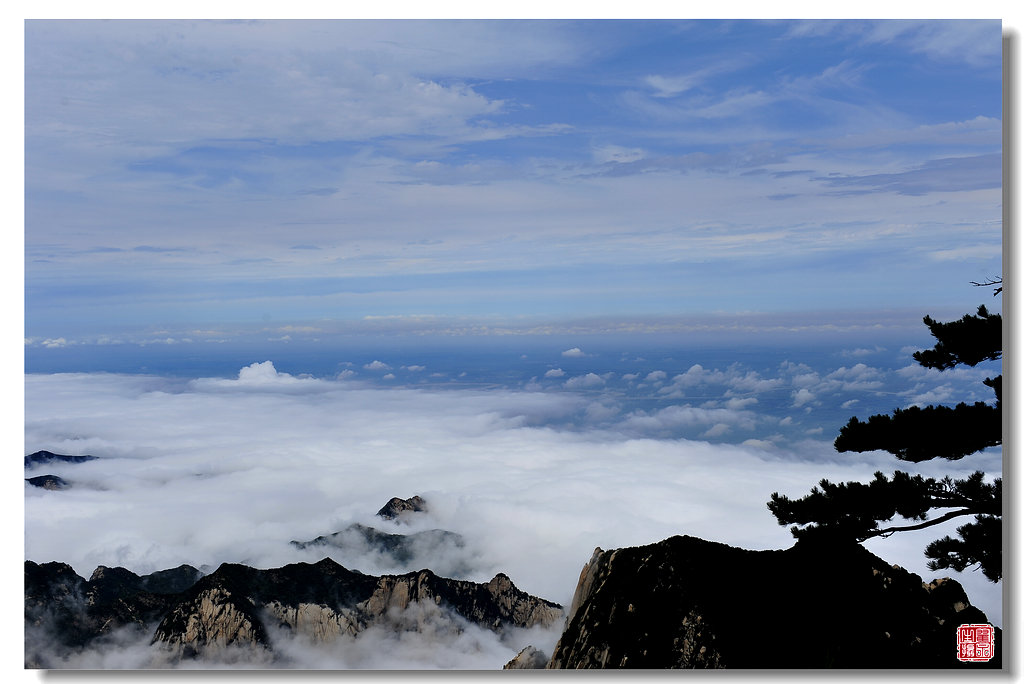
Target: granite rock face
pixel 68 612
pixel 689 603
pixel 527 659
pixel 396 508
pixel 239 607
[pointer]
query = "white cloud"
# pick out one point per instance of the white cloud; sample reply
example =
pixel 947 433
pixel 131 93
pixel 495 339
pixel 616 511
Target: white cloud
pixel 181 463
pixel 716 430
pixel 415 368
pixel 753 382
pixel 697 375
pixel 554 373
pixel 738 403
pixel 203 92
pixel 670 86
pixel 656 376
pixel 968 41
pixel 806 380
pixel 573 353
pixel 862 351
pixel 858 378
pixel 672 418
pixel 135 115
pixel 376 366
pixel 260 374
pixel 599 412
pixel 261 377
pixel 943 394
pixel 802 397
pixel 585 381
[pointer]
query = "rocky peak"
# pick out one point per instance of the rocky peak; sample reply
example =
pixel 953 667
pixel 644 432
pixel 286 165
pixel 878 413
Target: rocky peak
pixel 396 508
pixel 52 482
pixel 172 581
pixel 41 457
pixel 72 612
pixel 238 605
pixel 686 603
pixel 527 659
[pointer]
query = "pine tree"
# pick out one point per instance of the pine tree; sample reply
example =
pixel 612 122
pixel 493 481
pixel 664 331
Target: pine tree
pixel 854 509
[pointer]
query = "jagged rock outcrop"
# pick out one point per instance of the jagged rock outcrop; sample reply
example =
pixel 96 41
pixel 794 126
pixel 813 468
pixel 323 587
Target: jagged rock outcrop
pixel 42 457
pixel 226 607
pixel 238 605
pixel 527 659
pixel 69 611
pixel 689 603
pixel 397 508
pixel 51 482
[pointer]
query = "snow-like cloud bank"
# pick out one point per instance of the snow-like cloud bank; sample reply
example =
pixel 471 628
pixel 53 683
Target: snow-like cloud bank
pixel 190 473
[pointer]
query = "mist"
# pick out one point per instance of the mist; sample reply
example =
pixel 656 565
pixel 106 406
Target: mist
pixel 421 637
pixel 232 470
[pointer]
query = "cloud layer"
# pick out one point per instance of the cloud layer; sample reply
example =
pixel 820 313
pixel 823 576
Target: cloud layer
pixel 216 470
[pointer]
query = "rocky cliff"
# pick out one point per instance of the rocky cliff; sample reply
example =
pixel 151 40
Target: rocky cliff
pixel 689 603
pixel 64 611
pixel 236 605
pixel 398 509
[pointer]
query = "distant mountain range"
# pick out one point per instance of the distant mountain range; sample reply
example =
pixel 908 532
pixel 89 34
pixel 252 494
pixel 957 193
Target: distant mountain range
pixel 237 606
pixel 52 482
pixel 44 457
pixel 680 603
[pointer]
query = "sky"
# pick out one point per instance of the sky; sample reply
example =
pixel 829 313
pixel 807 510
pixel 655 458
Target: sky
pixel 512 266
pixel 202 181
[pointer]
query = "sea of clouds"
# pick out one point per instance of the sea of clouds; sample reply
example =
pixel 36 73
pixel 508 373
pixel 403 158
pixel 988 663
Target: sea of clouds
pixel 214 470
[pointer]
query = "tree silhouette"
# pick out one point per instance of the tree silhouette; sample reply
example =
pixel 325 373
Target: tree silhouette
pixel 854 509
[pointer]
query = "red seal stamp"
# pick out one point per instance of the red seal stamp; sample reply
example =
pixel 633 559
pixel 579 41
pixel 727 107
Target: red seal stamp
pixel 975 643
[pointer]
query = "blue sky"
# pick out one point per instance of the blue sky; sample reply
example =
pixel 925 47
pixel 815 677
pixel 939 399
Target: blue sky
pixel 211 180
pixel 292 201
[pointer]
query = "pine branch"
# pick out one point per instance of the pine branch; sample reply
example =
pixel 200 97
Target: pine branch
pixel 928 523
pixel 989 282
